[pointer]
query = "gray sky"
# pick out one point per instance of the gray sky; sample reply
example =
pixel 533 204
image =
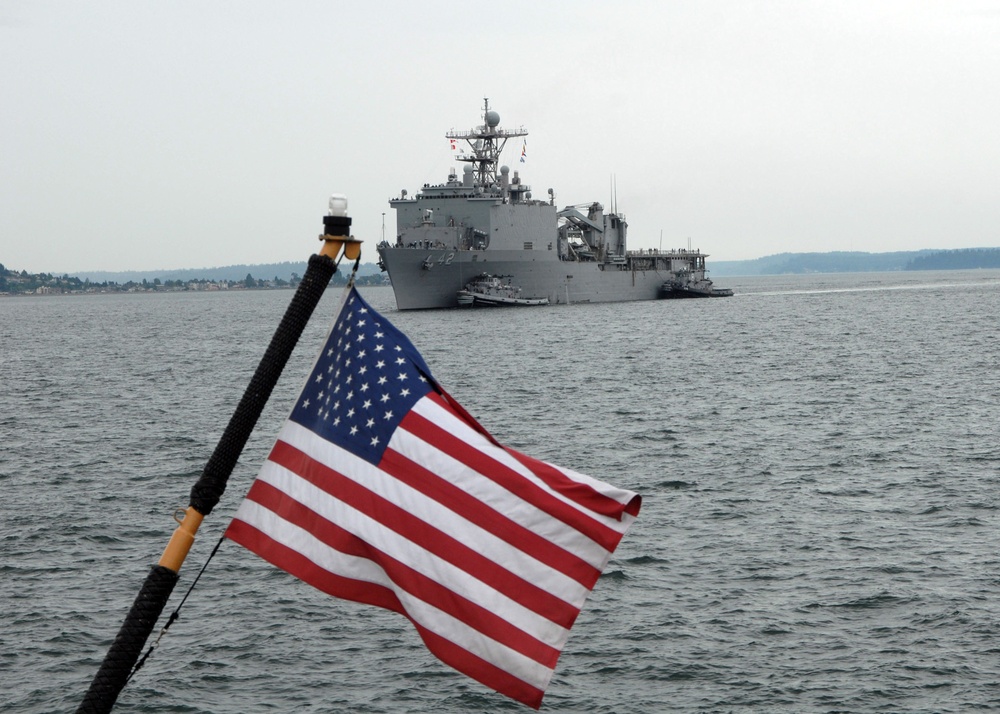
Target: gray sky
pixel 149 135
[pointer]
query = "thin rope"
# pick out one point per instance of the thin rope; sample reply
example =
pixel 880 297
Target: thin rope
pixel 175 615
pixel 354 271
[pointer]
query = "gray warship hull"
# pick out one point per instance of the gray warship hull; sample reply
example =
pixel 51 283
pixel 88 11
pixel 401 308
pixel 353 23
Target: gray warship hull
pixel 426 279
pixel 487 222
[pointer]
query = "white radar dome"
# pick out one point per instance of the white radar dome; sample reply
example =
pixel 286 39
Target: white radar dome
pixel 492 118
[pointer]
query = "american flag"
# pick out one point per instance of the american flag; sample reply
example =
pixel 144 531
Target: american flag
pixel 383 490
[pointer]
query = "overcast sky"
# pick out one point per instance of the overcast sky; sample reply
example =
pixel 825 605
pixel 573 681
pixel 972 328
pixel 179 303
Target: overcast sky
pixel 159 135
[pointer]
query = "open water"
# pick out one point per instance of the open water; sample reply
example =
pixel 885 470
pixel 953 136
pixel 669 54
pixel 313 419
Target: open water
pixel 818 457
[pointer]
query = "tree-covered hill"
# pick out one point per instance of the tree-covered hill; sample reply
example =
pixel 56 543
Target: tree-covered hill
pixel 859 262
pixel 964 259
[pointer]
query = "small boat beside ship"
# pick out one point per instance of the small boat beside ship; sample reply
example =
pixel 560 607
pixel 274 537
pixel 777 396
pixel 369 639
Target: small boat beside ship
pixel 486 221
pixel 491 291
pixel 691 284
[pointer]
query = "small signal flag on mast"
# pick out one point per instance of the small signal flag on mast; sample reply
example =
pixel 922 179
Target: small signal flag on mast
pixel 382 489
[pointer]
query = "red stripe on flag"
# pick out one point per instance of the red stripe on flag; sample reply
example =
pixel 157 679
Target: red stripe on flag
pixel 575 491
pixel 368 593
pixel 301 567
pixel 425 535
pixel 511 480
pixel 480 670
pixel 457 500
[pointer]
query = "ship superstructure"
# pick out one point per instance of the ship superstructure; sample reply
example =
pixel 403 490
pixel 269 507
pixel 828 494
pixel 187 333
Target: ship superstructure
pixel 488 222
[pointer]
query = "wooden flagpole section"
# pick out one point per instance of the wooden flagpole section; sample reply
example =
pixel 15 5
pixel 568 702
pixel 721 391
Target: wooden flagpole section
pixel 205 494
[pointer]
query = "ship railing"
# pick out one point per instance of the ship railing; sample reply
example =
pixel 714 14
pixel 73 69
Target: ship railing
pixel 642 252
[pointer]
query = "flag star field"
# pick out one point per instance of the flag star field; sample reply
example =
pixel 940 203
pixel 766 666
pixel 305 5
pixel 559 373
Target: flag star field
pixel 363 383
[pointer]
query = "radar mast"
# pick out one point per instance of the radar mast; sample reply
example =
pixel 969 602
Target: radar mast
pixel 486 143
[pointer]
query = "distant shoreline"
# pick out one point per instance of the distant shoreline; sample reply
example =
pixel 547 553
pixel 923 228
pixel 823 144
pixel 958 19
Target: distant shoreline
pixel 43 284
pixel 286 275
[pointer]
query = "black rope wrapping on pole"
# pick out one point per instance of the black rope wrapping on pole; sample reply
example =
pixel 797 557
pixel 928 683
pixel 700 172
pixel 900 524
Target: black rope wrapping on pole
pixel 207 491
pixel 135 630
pixel 114 671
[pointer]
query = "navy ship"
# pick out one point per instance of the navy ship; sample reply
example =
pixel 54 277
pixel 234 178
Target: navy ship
pixel 487 222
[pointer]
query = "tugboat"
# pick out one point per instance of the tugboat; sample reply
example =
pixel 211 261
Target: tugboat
pixel 486 221
pixel 691 284
pixel 490 291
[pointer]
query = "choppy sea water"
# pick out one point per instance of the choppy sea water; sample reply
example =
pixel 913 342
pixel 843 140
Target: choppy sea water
pixel 818 457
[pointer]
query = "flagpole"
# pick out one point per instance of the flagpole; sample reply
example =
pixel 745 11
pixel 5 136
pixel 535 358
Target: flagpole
pixel 206 492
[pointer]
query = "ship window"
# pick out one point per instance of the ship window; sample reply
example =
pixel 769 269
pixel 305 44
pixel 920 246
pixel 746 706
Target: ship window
pixel 528 245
